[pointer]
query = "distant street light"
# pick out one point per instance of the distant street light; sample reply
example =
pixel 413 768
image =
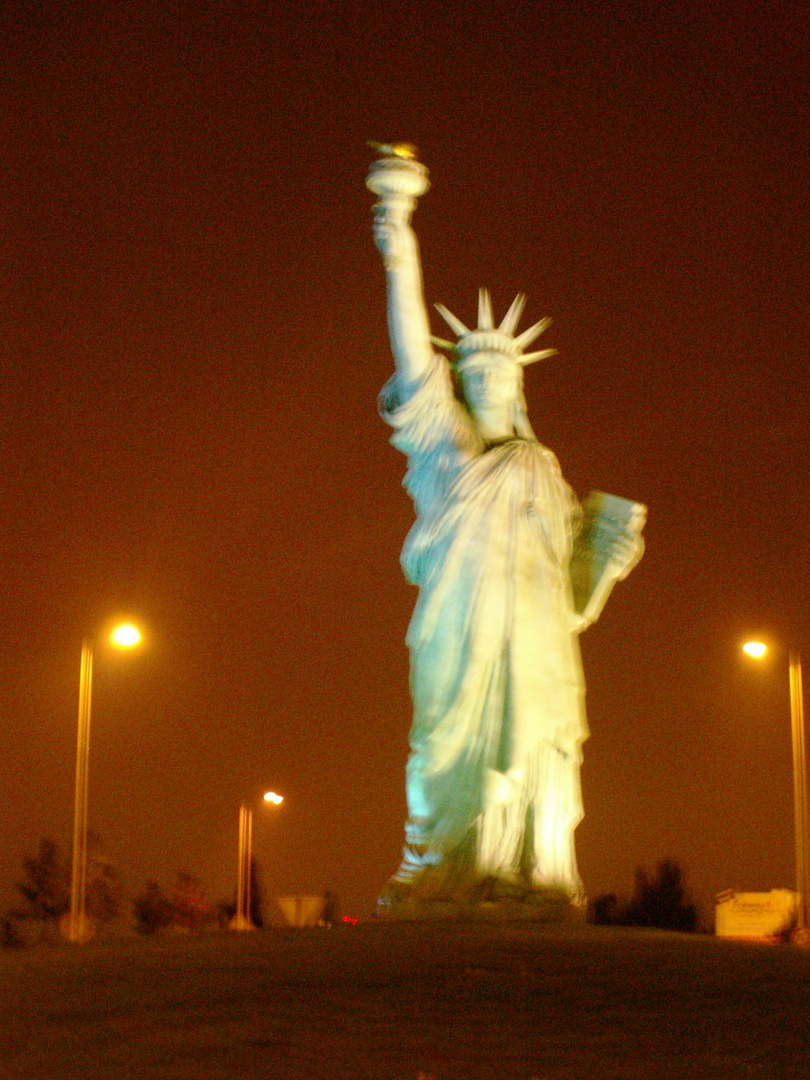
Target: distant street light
pixel 78 929
pixel 242 919
pixel 126 636
pixel 757 650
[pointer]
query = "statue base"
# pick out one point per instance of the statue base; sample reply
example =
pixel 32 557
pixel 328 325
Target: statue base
pixel 484 900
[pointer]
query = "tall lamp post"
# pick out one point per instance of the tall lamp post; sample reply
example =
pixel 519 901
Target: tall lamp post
pixel 78 928
pixel 242 919
pixel 757 650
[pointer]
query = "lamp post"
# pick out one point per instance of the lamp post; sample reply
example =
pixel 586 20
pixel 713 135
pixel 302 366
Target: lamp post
pixel 242 919
pixel 77 928
pixel 757 650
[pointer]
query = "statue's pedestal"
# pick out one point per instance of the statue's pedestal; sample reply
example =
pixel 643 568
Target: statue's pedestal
pixel 485 900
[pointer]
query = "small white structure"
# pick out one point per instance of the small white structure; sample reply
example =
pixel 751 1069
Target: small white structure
pixel 302 910
pixel 754 916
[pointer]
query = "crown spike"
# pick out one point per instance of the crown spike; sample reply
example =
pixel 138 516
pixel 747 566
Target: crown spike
pixel 451 320
pixel 529 358
pixel 485 310
pixel 512 317
pixel 441 343
pixel 534 331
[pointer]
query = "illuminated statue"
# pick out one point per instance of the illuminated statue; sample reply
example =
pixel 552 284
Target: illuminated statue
pixel 508 576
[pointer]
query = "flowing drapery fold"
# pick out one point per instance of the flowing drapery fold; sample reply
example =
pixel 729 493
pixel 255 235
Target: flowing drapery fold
pixel 496 679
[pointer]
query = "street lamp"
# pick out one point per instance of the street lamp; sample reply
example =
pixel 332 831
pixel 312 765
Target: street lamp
pixel 757 650
pixel 78 929
pixel 242 919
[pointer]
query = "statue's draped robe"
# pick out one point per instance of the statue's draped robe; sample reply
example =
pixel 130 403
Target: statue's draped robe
pixel 493 777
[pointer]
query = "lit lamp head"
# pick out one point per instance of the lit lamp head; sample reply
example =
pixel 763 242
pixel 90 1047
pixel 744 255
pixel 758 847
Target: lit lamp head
pixel 126 636
pixel 272 797
pixel 755 649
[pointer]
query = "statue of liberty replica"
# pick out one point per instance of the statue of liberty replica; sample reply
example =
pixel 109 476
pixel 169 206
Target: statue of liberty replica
pixel 510 569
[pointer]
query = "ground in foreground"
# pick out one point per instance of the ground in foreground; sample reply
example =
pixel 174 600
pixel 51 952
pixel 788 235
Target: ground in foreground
pixel 393 1001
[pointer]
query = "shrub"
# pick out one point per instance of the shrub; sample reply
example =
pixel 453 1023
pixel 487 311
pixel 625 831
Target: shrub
pixel 152 909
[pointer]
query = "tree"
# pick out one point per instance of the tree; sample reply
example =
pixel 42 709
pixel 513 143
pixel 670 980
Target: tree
pixel 152 909
pixel 46 888
pixel 606 910
pixel 256 895
pixel 10 936
pixel 657 902
pixel 660 901
pixel 226 909
pixel 104 886
pixel 191 907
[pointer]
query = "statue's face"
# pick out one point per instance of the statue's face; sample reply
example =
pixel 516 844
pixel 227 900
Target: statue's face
pixel 489 381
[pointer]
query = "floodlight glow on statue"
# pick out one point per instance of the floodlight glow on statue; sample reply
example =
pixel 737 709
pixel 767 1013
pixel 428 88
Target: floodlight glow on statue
pixel 509 571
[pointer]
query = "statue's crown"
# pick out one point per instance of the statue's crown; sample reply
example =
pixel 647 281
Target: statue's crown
pixel 487 338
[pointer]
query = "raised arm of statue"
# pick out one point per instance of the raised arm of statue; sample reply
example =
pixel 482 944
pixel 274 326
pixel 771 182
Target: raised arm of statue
pixel 398 181
pixel 408 324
